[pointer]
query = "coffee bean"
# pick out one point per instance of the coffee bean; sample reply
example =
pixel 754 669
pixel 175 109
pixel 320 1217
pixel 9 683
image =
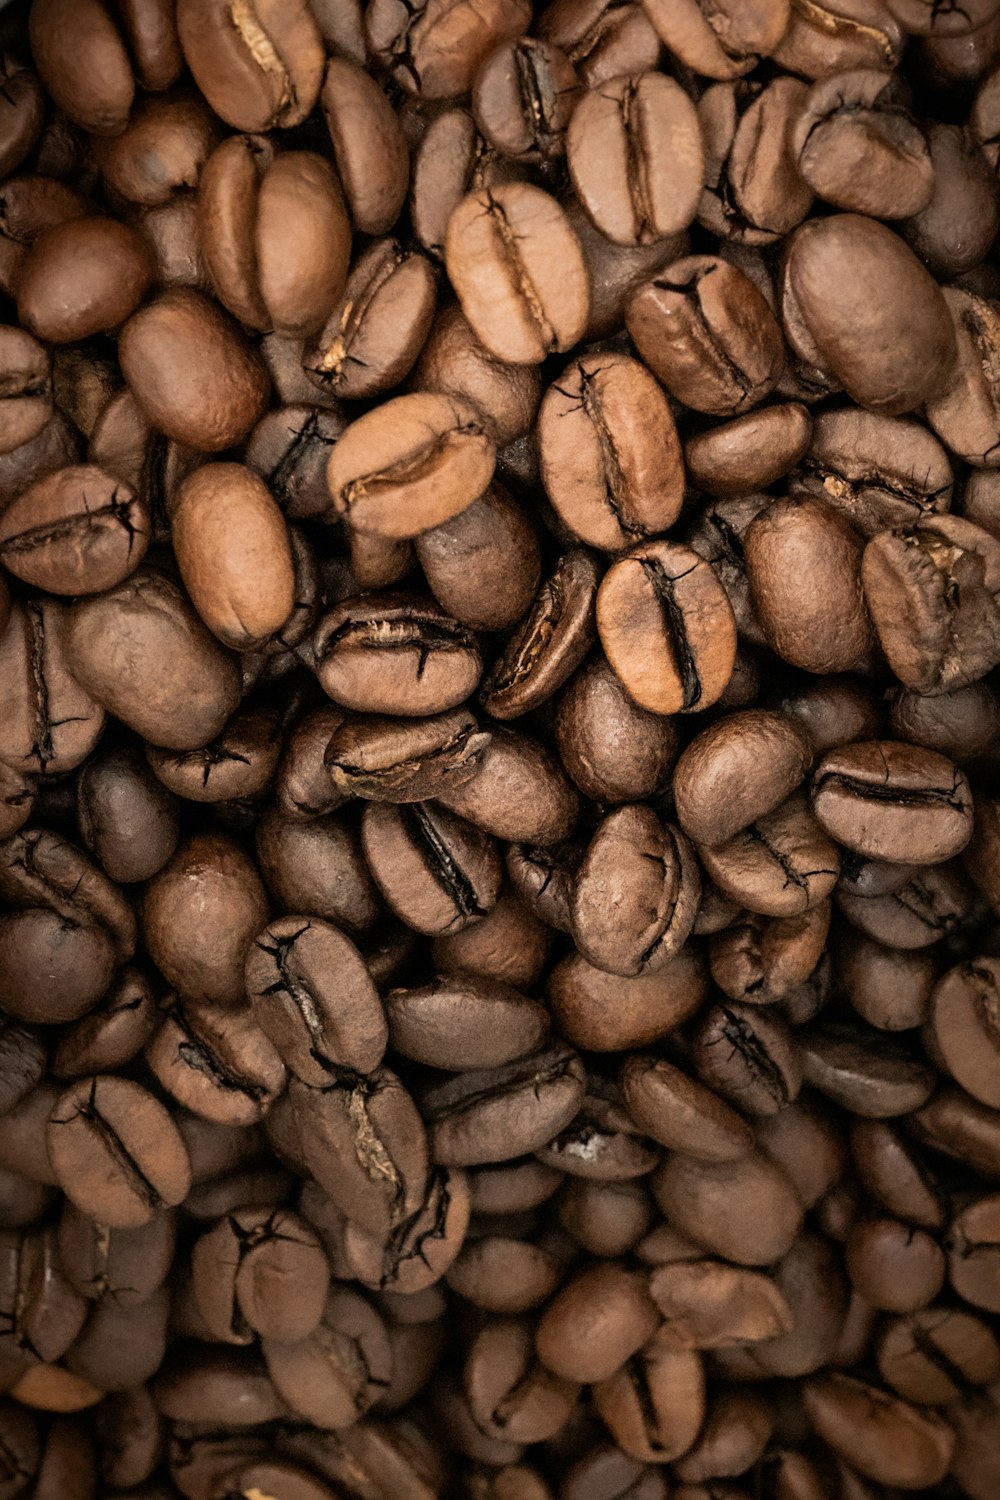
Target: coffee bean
pixel 746 1211
pixel 82 277
pixel 880 1435
pixel 26 388
pixel 932 1357
pixel 676 1111
pixel 217 1063
pixel 754 190
pixel 388 760
pixel 257 69
pixel 747 1056
pixel 510 1395
pixel 893 801
pixel 78 531
pixel 333 1376
pixel 369 147
pixel 604 1013
pixel 549 644
pixel 780 866
pixel 726 44
pixel 868 1072
pixel 457 1024
pixel 52 722
pixel 485 1116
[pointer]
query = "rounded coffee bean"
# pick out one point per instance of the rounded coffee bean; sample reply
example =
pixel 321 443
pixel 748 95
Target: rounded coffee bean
pixel 26 390
pixel 523 98
pixel 396 655
pixel 895 1267
pixel 192 371
pixel 550 642
pixel 883 1437
pixel 81 278
pixel 746 1211
pixel 673 1109
pixel 436 871
pixel 614 750
pixel 263 1267
pixel 216 1062
pixel 609 452
pixel 313 997
pixel 932 1356
pixel 409 465
pixel 605 1013
pixel 708 334
pixel 116 1152
pixel 456 363
pixel 391 760
pixel 332 1377
pixel 489 1116
pixel 963 1018
pixel 748 1056
pixel 434 52
pixel 871 1073
pixel 750 452
pixel 780 866
pixel 721 44
pixel 667 628
pixel 456 1023
pixel 737 770
pixel 707 1304
pixel 595 1323
pixel 519 272
pixel 892 801
pixel 635 154
pixel 260 66
pixel 78 531
pixel 510 1394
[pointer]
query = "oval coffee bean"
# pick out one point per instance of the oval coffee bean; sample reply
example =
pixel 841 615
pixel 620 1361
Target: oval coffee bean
pixel 891 801
pixel 486 1116
pixel 78 531
pixel 395 654
pixel 258 64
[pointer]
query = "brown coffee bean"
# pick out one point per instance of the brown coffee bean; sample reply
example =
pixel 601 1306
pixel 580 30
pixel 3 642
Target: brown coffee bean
pixel 78 531
pixel 274 234
pixel 724 43
pixel 933 1357
pixel 456 363
pixel 635 154
pixel 601 1143
pixel 416 1254
pixel 614 750
pixel 549 644
pixel 754 192
pixel 885 1438
pixel 746 1211
pixel 127 820
pixel 368 146
pixel 707 1304
pixel 894 1267
pixel 679 1113
pixel 748 1056
pixel 391 760
pixel 25 388
pixel 192 372
pixel 313 998
pixel 523 97
pixel 780 866
pixel 604 1013
pixel 263 1271
pixel 870 1073
pixel 483 566
pixel 82 277
pixel 751 451
pixel 510 1395
pixel 216 1062
pixel 485 1116
pixel 258 65
pixel 116 1151
pixel 609 453
pixel 962 1012
pixel 433 51
pixel 83 63
pixel 708 334
pixel 200 915
pixel 517 792
pixel 595 1323
pixel 736 771
pixel 519 272
pixel 457 1023
pixel 667 628
pixel 892 801
pixel 410 465
pixel 332 1377
pixel 113 1033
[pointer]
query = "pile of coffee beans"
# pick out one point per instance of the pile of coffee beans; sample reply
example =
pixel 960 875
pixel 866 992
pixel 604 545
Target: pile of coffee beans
pixel 499 749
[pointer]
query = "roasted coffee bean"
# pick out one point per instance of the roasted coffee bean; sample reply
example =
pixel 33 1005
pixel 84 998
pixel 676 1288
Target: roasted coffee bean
pixel 614 750
pixel 258 67
pixel 880 1435
pixel 486 1116
pixel 868 1072
pixel 549 644
pixel 748 1056
pixel 736 771
pixel 312 996
pixel 746 1211
pixel 676 1111
pixel 52 722
pixel 636 893
pixel 524 96
pixel 263 1272
pixel 604 1013
pixel 780 866
pixel 390 761
pixel 78 531
pixel 667 628
pixel 82 277
pixel 519 272
pixel 456 1023
pixel 435 53
pixel 25 388
pixel 517 792
pixel 609 453
pixel 398 655
pixel 510 1395
pixel 932 1357
pixel 753 190
pixel 216 1062
pixel 725 43
pixel 289 449
pixel 333 1376
pixel 890 801
pixel 483 566
pixel 751 451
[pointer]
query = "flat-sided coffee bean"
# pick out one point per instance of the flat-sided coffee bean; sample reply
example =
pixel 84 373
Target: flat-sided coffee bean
pixel 458 1023
pixel 518 792
pixel 313 997
pixel 543 878
pixel 894 1266
pixel 604 1013
pixel 883 1437
pixel 485 1116
pixel 894 1173
pixel 262 1270
pixel 332 1377
pixel 745 1211
pixel 780 866
pixel 601 1143
pixel 192 372
pixel 200 915
pixel 723 43
pixel 25 388
pixel 679 1113
pixel 434 52
pixel 635 154
pixel 707 1304
pixel 259 65
pixel 409 465
pixel 654 1405
pixel 395 654
pixel 117 1153
pixel 217 1063
pixel 667 628
pixel 386 760
pixel 750 452
pixel 916 913
pixel 859 148
pixel 932 1357
pixel 609 452
pixel 519 272
pixel 816 617
pixel 964 1016
pixel 961 218
pixel 881 473
pixel 509 1394
pixel 637 893
pixel 523 98
pixel 888 987
pixel 973 1246
pixel 736 771
pixel 78 531
pixel 758 961
pixel 891 801
pixel 748 1056
pixel 595 1323
pixel 420 1248
pixel 274 234
pixel 753 193
pixel 82 277
pixel 51 722
pixel 365 1144
pixel 934 600
pixel 371 339
pixel 614 750
pixel 708 334
pixel 113 1033
pixel 868 1072
pixel 846 273
pixel 289 449
pixel 450 160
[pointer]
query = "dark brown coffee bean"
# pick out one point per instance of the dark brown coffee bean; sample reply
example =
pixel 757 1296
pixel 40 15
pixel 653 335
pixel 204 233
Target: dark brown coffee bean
pixel 25 388
pixel 894 1266
pixel 549 644
pixel 748 1056
pixel 289 449
pixel 456 363
pixel 257 66
pixel 116 1151
pixel 332 1377
pixel 746 1211
pixel 419 1249
pixel 870 1073
pixel 113 1033
pixel 313 998
pixel 604 1013
pixel 410 465
pixel 614 750
pixel 635 154
pixel 736 771
pixel 260 1271
pixel 963 1012
pixel 78 531
pixel 52 722
pixel 81 278
pixel 387 760
pixel 523 97
pixel 973 1244
pixel 749 452
pixel 432 52
pixel 509 944
pixel 892 801
pixel 456 1023
pixel 517 792
pixel 216 1062
pixel 317 867
pixel 609 453
pixel 603 40
pixel 395 655
pixel 483 565
pixel 952 233
pixel 667 628
pixel 932 1357
pixel 636 894
pixel 595 1323
pixel 707 1304
pixel 676 1111
pixel 780 866
pixel 519 272
pixel 754 192
pixel 495 1115
pixel 601 1143
pixel 708 334
pixel 369 147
